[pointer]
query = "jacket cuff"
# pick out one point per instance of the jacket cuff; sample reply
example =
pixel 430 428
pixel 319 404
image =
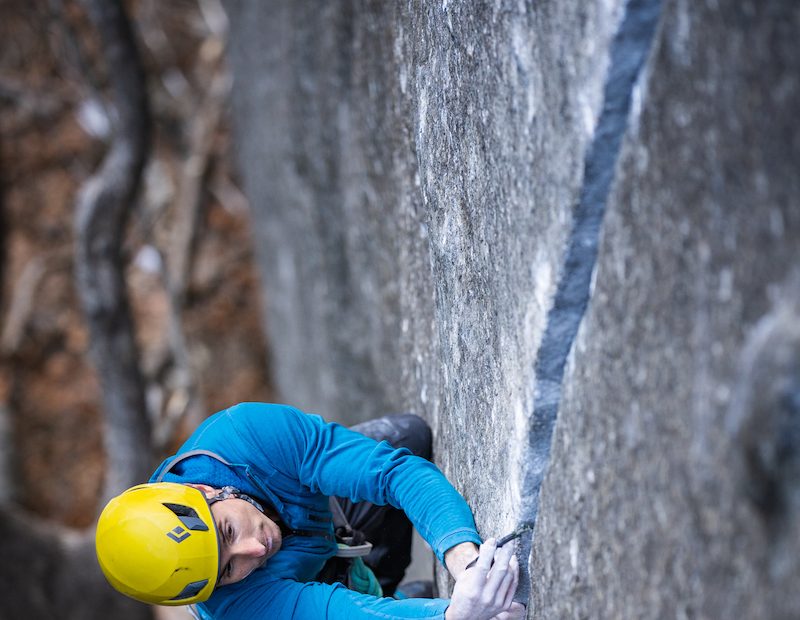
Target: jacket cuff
pixel 456 537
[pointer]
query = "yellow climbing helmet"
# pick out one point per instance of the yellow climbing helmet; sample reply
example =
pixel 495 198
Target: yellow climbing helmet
pixel 157 543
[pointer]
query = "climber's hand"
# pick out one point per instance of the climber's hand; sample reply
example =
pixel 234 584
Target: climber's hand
pixel 515 612
pixel 486 590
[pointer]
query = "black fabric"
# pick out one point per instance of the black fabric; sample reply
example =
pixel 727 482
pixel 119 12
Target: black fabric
pixel 387 528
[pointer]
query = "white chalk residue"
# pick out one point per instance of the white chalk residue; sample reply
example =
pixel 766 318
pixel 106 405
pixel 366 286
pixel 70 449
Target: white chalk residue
pixel 422 113
pixel 516 454
pixel 542 281
pixel 573 554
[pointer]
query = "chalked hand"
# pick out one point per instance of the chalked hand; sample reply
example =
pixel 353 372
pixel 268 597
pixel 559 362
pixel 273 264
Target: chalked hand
pixel 525 527
pixel 486 590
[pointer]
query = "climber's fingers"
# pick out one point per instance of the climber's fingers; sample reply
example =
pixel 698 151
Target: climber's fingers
pixel 486 556
pixel 501 575
pixel 515 612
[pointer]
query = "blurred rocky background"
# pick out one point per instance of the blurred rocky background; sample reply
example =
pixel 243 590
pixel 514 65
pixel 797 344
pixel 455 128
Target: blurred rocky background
pixel 567 234
pixel 187 263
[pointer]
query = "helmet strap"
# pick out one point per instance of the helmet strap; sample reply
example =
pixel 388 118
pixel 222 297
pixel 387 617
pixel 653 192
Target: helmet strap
pixel 229 492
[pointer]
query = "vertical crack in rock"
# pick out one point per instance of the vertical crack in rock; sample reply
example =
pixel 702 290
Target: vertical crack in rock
pixel 628 52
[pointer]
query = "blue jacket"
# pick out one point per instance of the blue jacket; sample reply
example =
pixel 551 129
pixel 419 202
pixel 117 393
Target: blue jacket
pixel 296 461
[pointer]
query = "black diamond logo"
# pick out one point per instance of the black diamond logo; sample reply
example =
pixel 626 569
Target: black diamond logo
pixel 178 534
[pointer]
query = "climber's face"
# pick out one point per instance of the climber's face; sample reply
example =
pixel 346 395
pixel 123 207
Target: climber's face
pixel 247 537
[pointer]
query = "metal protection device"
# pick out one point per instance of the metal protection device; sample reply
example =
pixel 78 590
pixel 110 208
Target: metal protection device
pixel 157 543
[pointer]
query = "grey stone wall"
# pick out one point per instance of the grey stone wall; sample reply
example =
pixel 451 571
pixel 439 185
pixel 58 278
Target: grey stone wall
pixel 673 484
pixel 430 183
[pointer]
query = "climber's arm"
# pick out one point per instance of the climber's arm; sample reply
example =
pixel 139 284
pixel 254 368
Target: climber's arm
pixel 456 558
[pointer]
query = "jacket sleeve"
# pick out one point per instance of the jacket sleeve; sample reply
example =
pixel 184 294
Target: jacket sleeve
pixel 333 460
pixel 285 598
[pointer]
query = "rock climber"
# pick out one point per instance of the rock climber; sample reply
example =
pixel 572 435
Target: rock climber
pixel 269 512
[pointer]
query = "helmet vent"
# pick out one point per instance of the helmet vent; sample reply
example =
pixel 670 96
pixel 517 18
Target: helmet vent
pixel 191 589
pixel 188 516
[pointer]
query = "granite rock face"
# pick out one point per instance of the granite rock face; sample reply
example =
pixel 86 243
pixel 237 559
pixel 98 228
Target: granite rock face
pixel 440 190
pixel 673 483
pixel 411 225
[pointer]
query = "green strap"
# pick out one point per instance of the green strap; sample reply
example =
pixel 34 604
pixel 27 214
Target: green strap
pixel 362 579
pixel 360 576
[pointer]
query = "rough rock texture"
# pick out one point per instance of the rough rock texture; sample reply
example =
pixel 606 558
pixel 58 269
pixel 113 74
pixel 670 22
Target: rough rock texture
pixel 429 181
pixel 411 225
pixel 673 485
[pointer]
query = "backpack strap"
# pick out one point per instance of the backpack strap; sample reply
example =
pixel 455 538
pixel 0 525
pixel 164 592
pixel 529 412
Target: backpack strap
pixel 186 455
